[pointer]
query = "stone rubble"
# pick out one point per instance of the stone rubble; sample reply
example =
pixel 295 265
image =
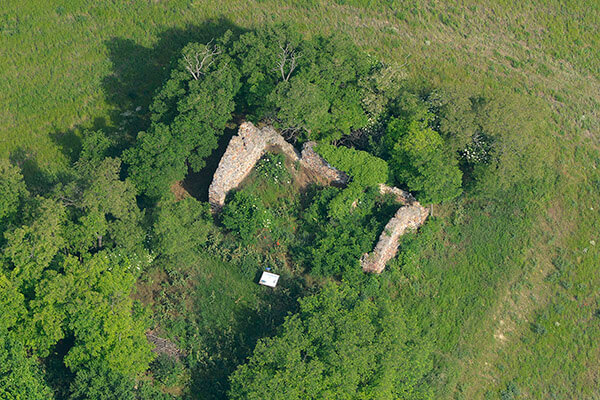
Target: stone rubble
pixel 407 217
pixel 319 169
pixel 410 216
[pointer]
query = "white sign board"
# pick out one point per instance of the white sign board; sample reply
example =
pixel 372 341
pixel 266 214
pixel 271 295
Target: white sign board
pixel 269 279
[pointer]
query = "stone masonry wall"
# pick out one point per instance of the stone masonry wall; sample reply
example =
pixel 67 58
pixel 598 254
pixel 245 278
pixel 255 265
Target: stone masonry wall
pixel 250 144
pixel 320 169
pixel 401 196
pixel 410 216
pixel 407 217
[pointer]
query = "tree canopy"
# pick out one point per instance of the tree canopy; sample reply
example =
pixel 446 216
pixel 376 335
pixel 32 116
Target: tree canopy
pixel 189 114
pixel 89 266
pixel 421 162
pixel 339 346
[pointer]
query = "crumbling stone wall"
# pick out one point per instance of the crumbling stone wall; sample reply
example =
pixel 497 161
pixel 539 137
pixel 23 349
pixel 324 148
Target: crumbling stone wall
pixel 410 216
pixel 407 217
pixel 164 346
pixel 320 169
pixel 250 144
pixel 401 196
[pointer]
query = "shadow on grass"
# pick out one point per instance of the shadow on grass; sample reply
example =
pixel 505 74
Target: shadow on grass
pixel 139 71
pixel 228 346
pixel 38 180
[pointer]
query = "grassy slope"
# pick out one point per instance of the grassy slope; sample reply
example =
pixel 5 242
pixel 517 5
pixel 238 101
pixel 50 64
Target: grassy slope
pixel 83 64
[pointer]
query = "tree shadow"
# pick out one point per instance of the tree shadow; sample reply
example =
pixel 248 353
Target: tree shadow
pixel 37 180
pixel 139 71
pixel 69 142
pixel 197 183
pixel 230 346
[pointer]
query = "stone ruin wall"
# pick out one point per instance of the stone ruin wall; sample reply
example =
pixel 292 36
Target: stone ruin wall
pixel 319 169
pixel 251 143
pixel 410 216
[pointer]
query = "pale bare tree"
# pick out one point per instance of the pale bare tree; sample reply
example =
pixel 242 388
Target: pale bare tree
pixel 198 62
pixel 287 61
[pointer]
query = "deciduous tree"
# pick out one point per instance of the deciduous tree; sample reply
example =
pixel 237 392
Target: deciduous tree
pixel 339 346
pixel 421 162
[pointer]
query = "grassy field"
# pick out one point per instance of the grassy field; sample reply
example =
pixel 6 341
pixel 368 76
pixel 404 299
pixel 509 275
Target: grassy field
pixel 508 296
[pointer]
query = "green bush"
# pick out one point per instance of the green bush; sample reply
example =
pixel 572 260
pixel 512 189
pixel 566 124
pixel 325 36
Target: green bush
pixel 245 214
pixel 272 166
pixel 340 345
pixel 364 168
pixel 332 246
pixel 421 162
pixel 167 370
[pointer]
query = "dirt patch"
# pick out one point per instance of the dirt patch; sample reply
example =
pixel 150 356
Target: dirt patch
pixel 164 346
pixel 179 191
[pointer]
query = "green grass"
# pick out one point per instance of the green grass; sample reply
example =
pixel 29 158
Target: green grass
pixel 215 311
pixel 75 65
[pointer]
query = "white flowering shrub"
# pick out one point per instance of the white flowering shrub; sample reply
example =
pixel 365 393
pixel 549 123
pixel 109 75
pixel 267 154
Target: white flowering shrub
pixel 272 166
pixel 478 151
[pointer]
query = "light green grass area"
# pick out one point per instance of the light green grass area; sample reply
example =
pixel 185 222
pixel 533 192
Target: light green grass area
pixel 506 290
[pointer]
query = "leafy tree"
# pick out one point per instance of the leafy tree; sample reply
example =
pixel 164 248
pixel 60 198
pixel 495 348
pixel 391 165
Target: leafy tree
pixel 182 227
pixel 167 370
pixel 331 243
pixel 92 298
pixel 20 375
pixel 157 160
pixel 340 345
pixel 310 85
pixel 420 161
pixel 100 383
pixel 102 208
pixel 335 67
pixel 364 169
pixel 13 192
pixel 265 58
pixel 189 114
pixel 95 147
pixel 30 248
pixel 454 117
pixel 12 307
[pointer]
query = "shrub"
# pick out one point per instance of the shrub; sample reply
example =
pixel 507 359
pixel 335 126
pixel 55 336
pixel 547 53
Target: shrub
pixel 272 166
pixel 340 345
pixel 364 168
pixel 245 214
pixel 167 370
pixel 421 162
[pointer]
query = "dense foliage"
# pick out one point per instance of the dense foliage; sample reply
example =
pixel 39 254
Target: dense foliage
pixel 312 86
pixel 422 163
pixel 331 242
pixel 339 345
pixel 189 114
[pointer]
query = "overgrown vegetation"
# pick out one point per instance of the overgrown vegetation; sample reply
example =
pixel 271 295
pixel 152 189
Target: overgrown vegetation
pixel 487 109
